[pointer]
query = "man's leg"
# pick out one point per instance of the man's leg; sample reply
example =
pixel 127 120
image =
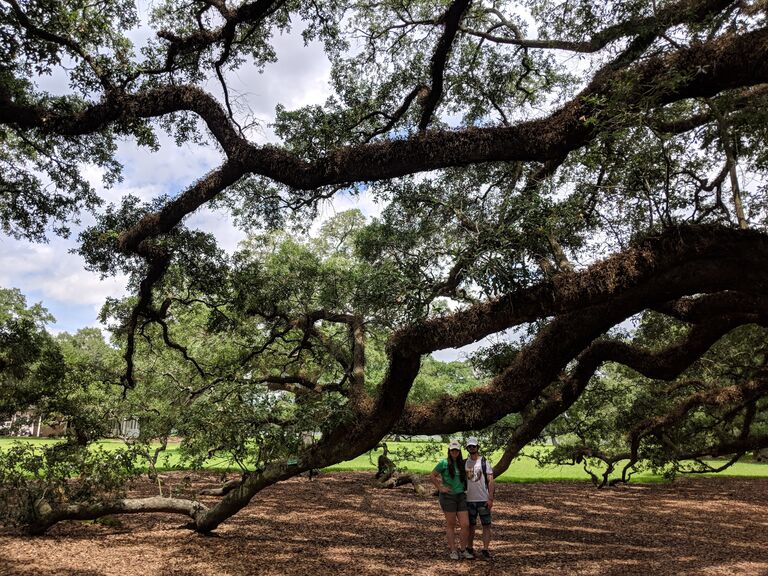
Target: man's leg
pixel 486 536
pixel 485 520
pixel 472 509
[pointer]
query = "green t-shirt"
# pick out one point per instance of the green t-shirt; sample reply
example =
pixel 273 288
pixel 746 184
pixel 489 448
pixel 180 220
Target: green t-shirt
pixel 455 483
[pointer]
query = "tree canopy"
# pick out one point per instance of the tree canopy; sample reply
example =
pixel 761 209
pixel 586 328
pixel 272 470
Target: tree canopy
pixel 549 171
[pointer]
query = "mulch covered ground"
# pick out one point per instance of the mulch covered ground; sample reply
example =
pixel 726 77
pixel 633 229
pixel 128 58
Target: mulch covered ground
pixel 339 524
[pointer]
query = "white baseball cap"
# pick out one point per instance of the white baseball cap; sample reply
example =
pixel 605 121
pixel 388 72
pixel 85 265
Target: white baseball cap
pixel 471 441
pixel 454 445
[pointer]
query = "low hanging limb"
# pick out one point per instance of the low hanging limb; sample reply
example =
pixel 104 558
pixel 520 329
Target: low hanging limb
pixel 388 476
pixel 222 490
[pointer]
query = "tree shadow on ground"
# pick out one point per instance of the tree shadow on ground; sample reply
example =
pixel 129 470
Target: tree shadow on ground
pixel 340 524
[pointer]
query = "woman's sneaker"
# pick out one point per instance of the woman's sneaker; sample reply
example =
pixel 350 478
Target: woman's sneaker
pixel 485 555
pixel 454 555
pixel 467 555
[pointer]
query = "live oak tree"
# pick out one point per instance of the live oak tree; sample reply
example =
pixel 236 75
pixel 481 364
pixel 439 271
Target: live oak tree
pixel 550 168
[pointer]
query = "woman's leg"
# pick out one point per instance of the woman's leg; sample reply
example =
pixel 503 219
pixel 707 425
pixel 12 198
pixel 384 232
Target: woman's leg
pixel 450 529
pixel 464 527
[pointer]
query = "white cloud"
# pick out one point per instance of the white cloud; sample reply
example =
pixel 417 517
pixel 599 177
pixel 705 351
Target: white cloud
pixel 81 287
pixel 50 274
pixel 451 354
pixel 342 201
pixel 53 273
pixel 298 78
pixel 220 225
pixel 169 170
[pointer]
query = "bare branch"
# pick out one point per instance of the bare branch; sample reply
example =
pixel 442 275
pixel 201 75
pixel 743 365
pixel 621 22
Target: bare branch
pixel 451 21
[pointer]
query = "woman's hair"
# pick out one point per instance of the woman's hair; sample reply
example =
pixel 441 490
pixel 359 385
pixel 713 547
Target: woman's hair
pixel 459 462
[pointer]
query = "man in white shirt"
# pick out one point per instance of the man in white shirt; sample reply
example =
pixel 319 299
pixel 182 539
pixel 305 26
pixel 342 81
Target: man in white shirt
pixel 480 489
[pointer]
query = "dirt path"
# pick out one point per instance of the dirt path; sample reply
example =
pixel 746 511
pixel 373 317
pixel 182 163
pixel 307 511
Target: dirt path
pixel 338 524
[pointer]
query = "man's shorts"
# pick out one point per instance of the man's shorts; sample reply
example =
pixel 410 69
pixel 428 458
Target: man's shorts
pixel 453 502
pixel 481 509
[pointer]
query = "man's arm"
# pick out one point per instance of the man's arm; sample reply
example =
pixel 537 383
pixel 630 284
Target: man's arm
pixel 491 488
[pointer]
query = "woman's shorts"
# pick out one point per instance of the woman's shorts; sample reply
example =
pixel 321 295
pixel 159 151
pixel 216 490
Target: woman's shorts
pixel 453 502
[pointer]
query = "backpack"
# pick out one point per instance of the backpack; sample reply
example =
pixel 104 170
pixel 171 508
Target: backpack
pixel 485 470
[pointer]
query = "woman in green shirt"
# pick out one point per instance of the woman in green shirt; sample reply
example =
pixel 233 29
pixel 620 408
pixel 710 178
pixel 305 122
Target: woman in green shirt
pixel 450 479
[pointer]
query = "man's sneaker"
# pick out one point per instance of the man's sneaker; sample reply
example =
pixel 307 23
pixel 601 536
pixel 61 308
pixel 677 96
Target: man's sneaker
pixel 467 555
pixel 454 555
pixel 485 555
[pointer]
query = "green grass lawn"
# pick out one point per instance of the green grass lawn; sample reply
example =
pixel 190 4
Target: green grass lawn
pixel 523 469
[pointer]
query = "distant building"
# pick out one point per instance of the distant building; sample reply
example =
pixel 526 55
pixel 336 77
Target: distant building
pixel 126 429
pixel 30 424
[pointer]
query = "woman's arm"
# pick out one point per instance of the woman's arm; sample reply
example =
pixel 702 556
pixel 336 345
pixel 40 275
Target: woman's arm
pixel 437 481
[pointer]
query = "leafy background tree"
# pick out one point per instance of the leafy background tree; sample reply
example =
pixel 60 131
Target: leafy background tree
pixel 31 363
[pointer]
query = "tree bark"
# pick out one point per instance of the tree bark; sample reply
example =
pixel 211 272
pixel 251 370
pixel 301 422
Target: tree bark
pixel 47 515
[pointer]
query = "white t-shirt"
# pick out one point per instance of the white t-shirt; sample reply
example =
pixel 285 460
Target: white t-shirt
pixel 477 491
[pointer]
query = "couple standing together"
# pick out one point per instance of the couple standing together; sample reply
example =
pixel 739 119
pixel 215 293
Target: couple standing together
pixel 466 491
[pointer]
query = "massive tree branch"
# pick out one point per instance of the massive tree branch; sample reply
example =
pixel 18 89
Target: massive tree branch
pixel 702 308
pixel 670 362
pixel 650 262
pixel 751 97
pixel 699 71
pixel 607 293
